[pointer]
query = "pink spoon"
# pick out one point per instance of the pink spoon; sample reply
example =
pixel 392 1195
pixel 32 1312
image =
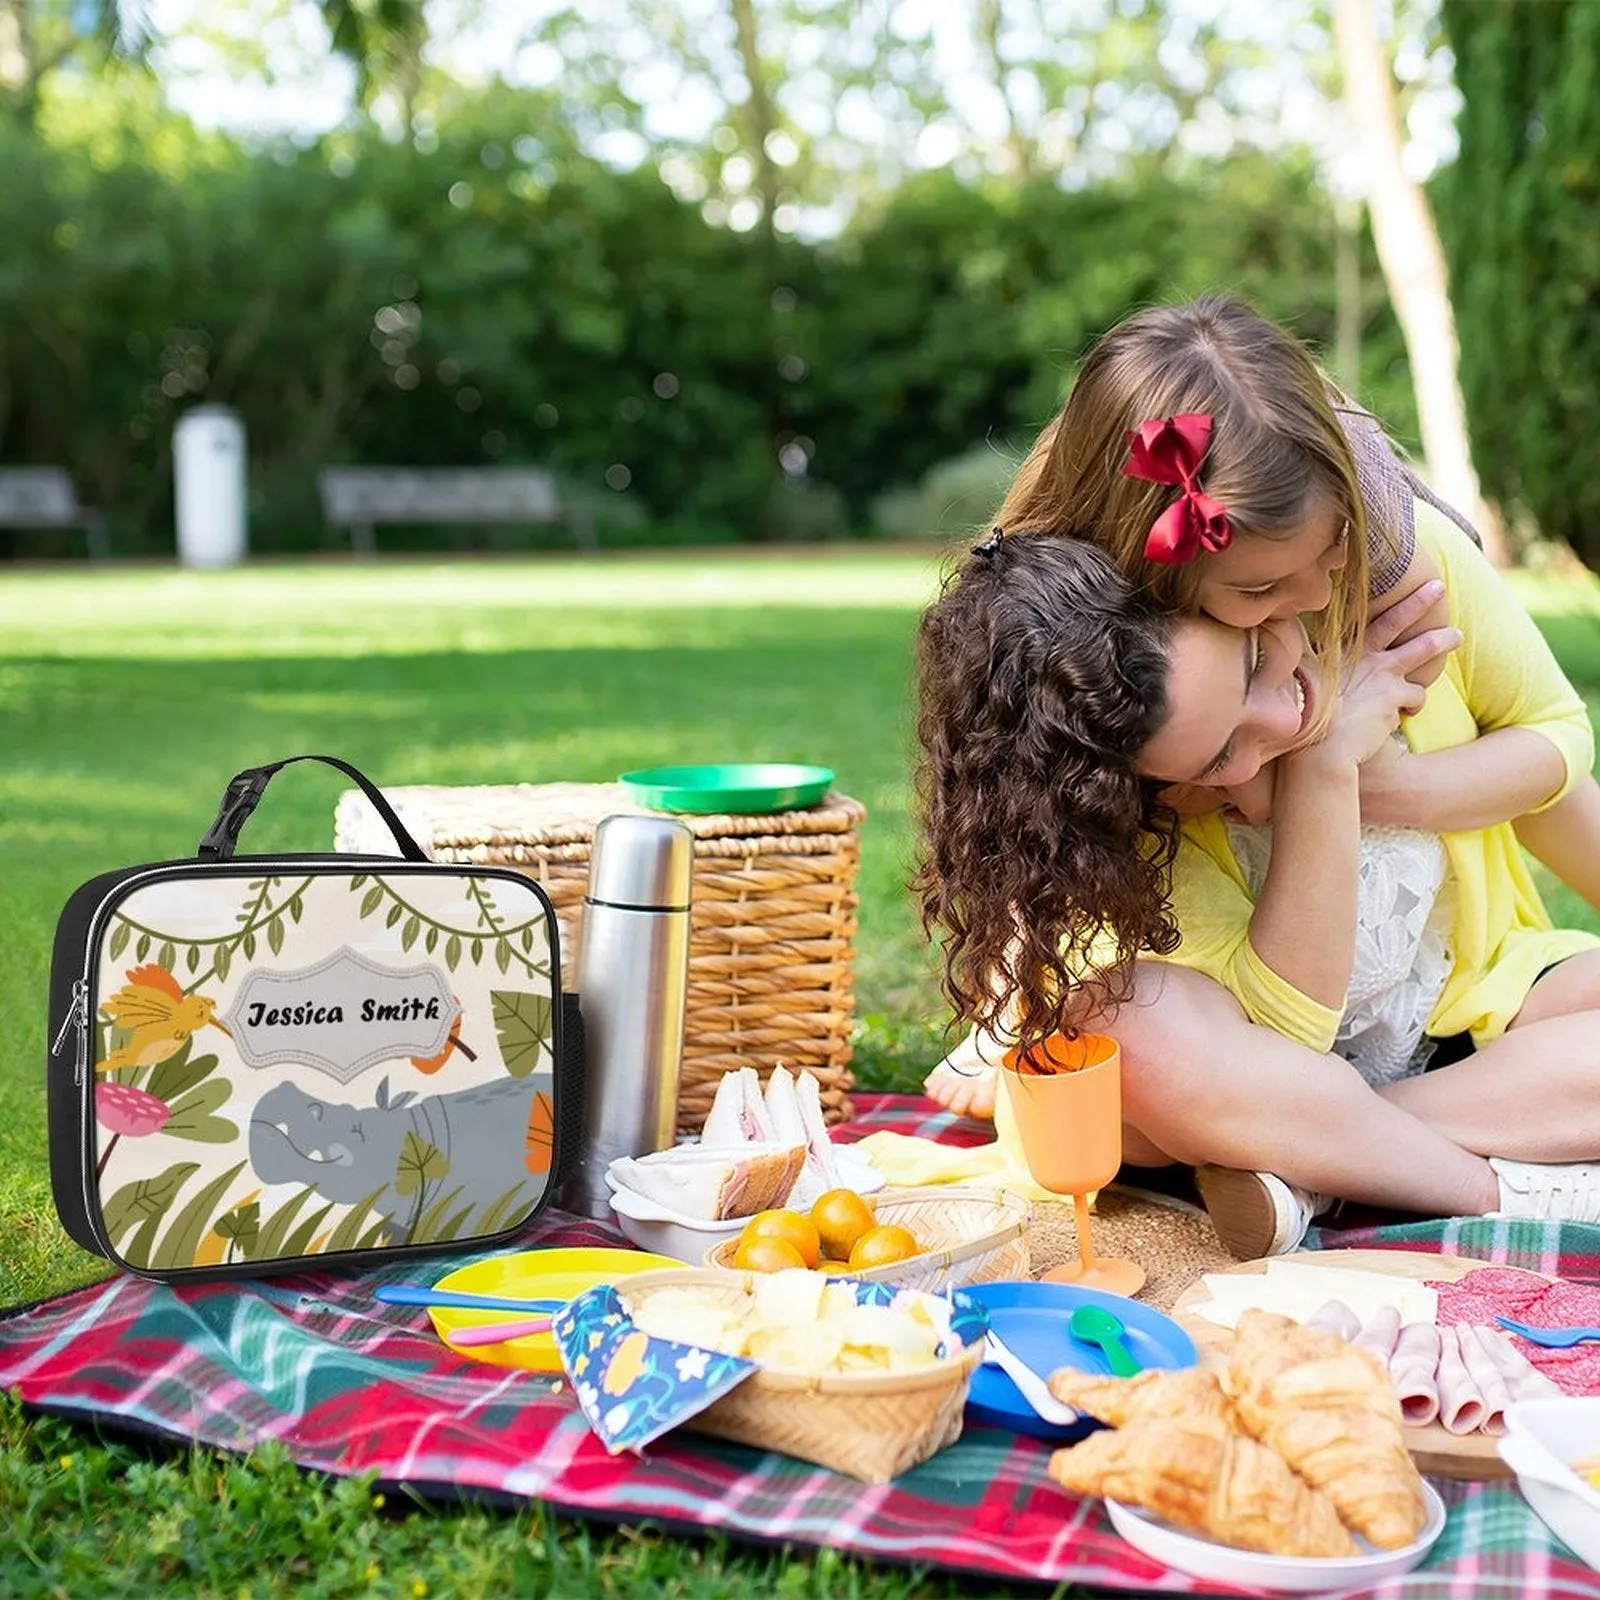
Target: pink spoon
pixel 499 1332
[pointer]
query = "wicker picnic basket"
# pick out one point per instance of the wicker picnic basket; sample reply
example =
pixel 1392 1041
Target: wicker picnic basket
pixel 869 1426
pixel 969 1235
pixel 772 924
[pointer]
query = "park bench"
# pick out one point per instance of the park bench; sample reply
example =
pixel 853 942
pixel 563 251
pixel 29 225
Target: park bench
pixel 43 497
pixel 362 498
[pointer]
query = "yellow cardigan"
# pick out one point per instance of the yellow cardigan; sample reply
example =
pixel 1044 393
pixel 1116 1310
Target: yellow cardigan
pixel 1504 675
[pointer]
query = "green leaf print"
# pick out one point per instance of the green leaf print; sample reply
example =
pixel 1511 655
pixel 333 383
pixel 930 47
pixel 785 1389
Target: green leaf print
pixel 420 1162
pixel 178 1074
pixel 348 1234
pixel 270 1242
pixel 192 1115
pixel 522 1024
pixel 140 1207
pixel 145 1199
pixel 119 940
pixel 299 1242
pixel 181 1241
pixel 241 1226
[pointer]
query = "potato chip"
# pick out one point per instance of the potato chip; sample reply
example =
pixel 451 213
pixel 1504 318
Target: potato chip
pixel 813 1350
pixel 710 1325
pixel 799 1321
pixel 790 1297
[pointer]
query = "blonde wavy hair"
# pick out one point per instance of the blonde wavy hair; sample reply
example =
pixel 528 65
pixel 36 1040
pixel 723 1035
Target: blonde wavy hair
pixel 1275 441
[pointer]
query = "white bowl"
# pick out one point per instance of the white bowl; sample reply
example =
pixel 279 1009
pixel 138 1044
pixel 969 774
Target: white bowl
pixel 1542 1439
pixel 1203 1558
pixel 653 1227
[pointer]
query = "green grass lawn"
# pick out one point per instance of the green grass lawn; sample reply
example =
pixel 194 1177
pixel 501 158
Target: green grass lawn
pixel 127 699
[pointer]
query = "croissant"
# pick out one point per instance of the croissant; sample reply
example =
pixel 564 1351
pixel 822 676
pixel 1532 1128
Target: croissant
pixel 1201 1476
pixel 1330 1410
pixel 1192 1392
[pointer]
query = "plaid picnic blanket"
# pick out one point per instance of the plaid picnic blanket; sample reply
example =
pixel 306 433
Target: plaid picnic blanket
pixel 349 1386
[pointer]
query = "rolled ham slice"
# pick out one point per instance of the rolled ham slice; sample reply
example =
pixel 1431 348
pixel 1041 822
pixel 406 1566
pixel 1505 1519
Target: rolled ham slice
pixel 1337 1318
pixel 1414 1366
pixel 1461 1404
pixel 1379 1333
pixel 1486 1376
pixel 1523 1379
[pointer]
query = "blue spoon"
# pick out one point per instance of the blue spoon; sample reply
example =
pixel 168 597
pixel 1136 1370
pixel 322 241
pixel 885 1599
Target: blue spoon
pixel 420 1294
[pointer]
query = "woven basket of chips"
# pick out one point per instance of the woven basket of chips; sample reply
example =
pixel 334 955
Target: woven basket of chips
pixel 771 925
pixel 868 1425
pixel 968 1236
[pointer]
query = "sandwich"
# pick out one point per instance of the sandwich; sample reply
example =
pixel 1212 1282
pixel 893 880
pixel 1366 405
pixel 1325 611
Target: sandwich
pixel 789 1112
pixel 714 1185
pixel 738 1113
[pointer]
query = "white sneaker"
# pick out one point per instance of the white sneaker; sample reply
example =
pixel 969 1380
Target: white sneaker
pixel 1560 1191
pixel 1257 1213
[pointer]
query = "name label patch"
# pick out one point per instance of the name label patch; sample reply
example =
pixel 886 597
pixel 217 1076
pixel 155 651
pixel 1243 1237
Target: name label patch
pixel 341 1016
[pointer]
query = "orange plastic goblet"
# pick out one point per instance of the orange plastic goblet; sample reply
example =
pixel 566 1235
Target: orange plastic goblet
pixel 1066 1097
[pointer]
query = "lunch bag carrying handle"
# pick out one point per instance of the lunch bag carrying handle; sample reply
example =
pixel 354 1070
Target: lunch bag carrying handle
pixel 244 792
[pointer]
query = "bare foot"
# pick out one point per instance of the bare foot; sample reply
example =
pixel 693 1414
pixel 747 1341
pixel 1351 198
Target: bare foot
pixel 963 1082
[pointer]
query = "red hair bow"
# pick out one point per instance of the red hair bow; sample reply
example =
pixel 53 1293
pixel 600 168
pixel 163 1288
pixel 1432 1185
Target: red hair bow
pixel 1170 450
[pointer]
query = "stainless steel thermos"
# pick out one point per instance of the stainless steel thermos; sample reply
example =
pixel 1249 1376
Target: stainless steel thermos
pixel 633 978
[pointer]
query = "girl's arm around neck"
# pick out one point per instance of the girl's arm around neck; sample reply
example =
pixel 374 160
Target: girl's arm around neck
pixel 1304 923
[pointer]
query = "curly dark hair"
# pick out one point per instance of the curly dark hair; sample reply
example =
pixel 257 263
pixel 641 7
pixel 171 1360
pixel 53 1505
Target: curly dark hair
pixel 1046 857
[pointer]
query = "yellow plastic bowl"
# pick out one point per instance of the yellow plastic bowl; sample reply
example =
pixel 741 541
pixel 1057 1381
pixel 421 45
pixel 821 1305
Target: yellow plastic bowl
pixel 532 1275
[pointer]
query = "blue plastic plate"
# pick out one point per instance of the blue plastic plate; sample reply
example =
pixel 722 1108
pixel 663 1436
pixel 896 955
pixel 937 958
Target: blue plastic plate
pixel 1032 1319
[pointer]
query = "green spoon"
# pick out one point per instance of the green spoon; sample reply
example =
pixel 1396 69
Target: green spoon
pixel 1095 1325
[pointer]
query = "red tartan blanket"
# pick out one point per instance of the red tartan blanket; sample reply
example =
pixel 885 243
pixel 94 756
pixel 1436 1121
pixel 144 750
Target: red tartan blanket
pixel 350 1386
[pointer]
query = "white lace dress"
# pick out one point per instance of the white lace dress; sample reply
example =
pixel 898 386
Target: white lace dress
pixel 1402 953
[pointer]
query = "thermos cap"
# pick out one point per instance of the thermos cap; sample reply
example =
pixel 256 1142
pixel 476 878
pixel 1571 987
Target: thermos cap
pixel 641 861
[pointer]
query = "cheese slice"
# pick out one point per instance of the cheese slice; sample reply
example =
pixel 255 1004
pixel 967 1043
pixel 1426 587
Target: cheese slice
pixel 1299 1288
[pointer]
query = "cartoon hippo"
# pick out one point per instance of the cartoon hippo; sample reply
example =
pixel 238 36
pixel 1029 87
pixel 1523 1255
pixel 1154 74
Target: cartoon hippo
pixel 347 1153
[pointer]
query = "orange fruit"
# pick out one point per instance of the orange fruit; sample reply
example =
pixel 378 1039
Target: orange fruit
pixel 790 1226
pixel 841 1217
pixel 878 1246
pixel 766 1255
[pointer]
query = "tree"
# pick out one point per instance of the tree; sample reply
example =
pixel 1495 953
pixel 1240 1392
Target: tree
pixel 1413 267
pixel 383 40
pixel 39 36
pixel 1519 210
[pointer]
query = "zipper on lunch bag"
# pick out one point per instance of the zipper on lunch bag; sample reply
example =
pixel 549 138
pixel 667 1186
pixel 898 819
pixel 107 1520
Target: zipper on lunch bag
pixel 77 1017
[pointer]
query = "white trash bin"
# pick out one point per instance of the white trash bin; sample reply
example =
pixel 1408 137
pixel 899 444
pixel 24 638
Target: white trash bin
pixel 208 486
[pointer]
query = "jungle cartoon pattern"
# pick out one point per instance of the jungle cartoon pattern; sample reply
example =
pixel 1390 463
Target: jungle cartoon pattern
pixel 633 1387
pixel 202 1159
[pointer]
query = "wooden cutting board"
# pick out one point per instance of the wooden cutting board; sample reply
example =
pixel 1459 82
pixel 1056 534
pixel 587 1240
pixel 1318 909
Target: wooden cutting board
pixel 1434 1448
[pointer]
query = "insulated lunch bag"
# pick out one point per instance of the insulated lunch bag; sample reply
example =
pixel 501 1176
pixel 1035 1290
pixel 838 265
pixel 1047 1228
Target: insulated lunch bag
pixel 266 1062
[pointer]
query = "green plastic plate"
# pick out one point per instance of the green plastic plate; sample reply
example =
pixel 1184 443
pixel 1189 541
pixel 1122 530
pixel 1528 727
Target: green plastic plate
pixel 749 786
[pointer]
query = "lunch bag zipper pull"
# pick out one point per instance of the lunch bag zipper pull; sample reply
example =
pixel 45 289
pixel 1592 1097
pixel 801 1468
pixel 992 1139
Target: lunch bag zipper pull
pixel 77 1016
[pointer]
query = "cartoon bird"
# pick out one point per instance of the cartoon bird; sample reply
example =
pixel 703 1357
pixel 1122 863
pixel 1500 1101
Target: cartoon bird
pixel 161 1016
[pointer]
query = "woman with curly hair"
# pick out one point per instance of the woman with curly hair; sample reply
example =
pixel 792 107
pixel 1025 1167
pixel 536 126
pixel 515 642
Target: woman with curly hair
pixel 1059 708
